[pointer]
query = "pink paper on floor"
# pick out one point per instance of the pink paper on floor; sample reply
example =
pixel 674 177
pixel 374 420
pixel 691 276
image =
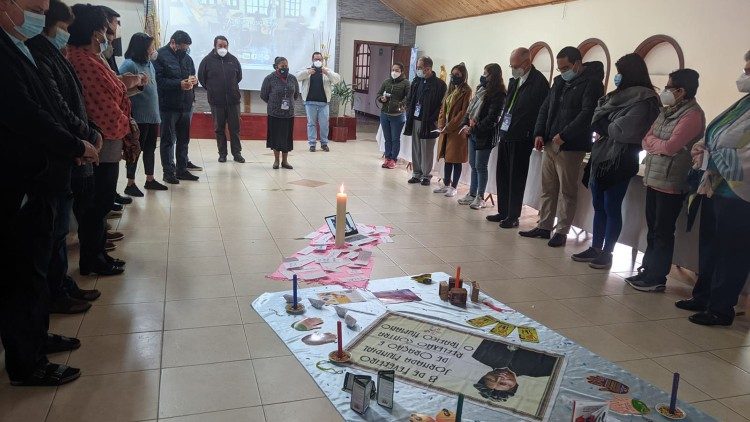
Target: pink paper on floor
pixel 338 268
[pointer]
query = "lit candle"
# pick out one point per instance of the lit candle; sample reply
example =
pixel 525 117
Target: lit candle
pixel 457 282
pixel 673 399
pixel 341 341
pixel 459 407
pixel 294 291
pixel 340 217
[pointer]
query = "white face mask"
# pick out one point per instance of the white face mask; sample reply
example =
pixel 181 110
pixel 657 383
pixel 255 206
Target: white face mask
pixel 743 83
pixel 222 51
pixel 517 72
pixel 318 63
pixel 667 98
pixel 395 75
pixel 154 54
pixel 420 73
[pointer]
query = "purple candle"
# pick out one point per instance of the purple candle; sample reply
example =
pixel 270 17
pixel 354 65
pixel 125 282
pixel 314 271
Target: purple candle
pixel 294 291
pixel 673 400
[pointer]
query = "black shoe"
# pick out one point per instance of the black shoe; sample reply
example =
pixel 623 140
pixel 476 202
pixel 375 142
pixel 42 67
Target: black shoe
pixel 495 218
pixel 102 268
pixel 84 294
pixel 602 262
pixel 557 240
pixel 691 304
pixel 154 185
pixel 193 167
pixel 588 255
pixel 68 306
pixel 312 148
pixel 114 236
pixel 710 318
pixel 56 343
pixel 509 223
pixel 114 261
pixel 536 233
pixel 275 166
pixel 425 182
pixel 287 166
pixel 49 375
pixel 117 207
pixel 239 159
pixel 325 148
pixel 171 180
pixel 186 175
pixel 639 276
pixel 109 247
pixel 413 180
pixel 646 285
pixel 122 200
pixel 222 158
pixel 132 190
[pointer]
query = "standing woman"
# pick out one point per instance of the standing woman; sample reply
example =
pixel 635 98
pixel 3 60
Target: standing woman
pixel 621 119
pixel 452 145
pixel 279 90
pixel 108 107
pixel 392 95
pixel 141 51
pixel 479 123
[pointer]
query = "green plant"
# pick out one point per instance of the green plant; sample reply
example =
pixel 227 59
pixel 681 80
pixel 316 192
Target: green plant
pixel 344 93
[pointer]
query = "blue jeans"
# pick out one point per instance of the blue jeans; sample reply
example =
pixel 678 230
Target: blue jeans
pixel 392 128
pixel 175 137
pixel 607 214
pixel 478 160
pixel 317 114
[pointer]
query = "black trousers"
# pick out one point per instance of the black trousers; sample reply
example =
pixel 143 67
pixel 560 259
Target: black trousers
pixel 24 296
pixel 227 116
pixel 512 169
pixel 662 211
pixel 91 228
pixel 149 133
pixel 57 276
pixel 723 263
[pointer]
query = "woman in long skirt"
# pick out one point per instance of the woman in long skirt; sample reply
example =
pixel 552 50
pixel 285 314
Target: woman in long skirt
pixel 279 90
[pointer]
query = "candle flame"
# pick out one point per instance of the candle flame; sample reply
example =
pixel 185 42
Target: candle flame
pixel 341 189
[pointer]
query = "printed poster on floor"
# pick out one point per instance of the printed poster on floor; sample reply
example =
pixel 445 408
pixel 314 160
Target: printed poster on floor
pixel 490 372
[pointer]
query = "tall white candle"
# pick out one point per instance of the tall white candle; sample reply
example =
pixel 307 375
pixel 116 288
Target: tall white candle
pixel 340 217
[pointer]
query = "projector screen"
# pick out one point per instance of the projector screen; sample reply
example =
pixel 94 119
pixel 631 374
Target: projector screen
pixel 257 30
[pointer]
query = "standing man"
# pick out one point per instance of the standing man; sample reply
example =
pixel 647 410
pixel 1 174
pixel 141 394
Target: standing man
pixel 220 73
pixel 316 92
pixel 175 83
pixel 526 92
pixel 425 96
pixel 563 129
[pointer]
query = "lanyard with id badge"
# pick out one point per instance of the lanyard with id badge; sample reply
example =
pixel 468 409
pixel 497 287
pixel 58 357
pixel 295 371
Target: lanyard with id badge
pixel 507 117
pixel 285 101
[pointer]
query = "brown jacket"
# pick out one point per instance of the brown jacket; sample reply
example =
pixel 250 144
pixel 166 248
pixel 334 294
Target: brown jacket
pixel 452 146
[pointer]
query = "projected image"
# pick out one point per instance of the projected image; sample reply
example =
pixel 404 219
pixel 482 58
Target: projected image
pixel 258 30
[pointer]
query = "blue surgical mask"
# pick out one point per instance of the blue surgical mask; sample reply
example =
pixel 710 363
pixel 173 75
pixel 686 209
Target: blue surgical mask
pixel 60 39
pixel 618 79
pixel 33 23
pixel 104 45
pixel 569 75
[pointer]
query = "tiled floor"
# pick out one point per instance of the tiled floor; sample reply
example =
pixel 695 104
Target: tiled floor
pixel 175 339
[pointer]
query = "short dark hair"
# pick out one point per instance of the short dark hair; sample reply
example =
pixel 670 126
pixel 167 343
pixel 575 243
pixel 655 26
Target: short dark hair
pixel 686 79
pixel 138 47
pixel 494 395
pixel 181 37
pixel 109 12
pixel 400 65
pixel 426 60
pixel 57 12
pixel 220 37
pixel 278 60
pixel 317 52
pixel 571 53
pixel 89 19
pixel 634 72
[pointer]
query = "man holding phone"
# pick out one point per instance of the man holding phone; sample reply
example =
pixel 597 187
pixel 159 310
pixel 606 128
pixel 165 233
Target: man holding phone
pixel 316 84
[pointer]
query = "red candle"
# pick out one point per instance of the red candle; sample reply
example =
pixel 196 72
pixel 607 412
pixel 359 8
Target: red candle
pixel 341 341
pixel 457 282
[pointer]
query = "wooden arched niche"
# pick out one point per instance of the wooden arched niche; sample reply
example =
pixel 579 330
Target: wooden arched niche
pixel 590 43
pixel 649 43
pixel 541 46
pixel 663 55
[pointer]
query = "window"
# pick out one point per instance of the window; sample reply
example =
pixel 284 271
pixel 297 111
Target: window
pixel 207 2
pixel 361 77
pixel 257 7
pixel 292 7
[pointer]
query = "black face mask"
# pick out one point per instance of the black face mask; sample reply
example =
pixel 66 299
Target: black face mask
pixel 457 80
pixel 482 80
pixel 180 53
pixel 283 71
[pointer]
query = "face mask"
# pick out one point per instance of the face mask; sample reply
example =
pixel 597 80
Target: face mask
pixel 318 63
pixel 420 73
pixel 667 98
pixel 109 51
pixel 103 45
pixel 482 80
pixel 154 54
pixel 180 53
pixel 222 52
pixel 568 75
pixel 60 39
pixel 395 75
pixel 517 72
pixel 743 83
pixel 283 71
pixel 457 80
pixel 33 23
pixel 618 79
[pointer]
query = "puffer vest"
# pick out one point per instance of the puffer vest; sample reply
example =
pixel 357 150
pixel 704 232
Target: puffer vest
pixel 665 172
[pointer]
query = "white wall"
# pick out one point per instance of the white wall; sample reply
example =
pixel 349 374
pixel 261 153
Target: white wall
pixel 714 36
pixel 352 30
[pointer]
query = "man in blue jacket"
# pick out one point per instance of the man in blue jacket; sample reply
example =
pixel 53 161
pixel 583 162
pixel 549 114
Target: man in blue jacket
pixel 175 82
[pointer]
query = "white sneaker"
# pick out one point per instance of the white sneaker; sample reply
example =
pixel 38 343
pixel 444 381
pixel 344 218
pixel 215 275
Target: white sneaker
pixel 466 200
pixel 478 203
pixel 451 192
pixel 442 189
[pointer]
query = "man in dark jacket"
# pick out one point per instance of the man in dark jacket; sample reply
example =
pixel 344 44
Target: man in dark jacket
pixel 526 92
pixel 563 129
pixel 220 73
pixel 175 82
pixel 423 109
pixel 39 151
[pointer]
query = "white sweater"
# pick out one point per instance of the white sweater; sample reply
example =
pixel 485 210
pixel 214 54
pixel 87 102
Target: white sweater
pixel 331 78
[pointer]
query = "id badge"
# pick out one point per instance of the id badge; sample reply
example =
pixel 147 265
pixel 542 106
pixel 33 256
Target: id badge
pixel 285 104
pixel 417 110
pixel 506 122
